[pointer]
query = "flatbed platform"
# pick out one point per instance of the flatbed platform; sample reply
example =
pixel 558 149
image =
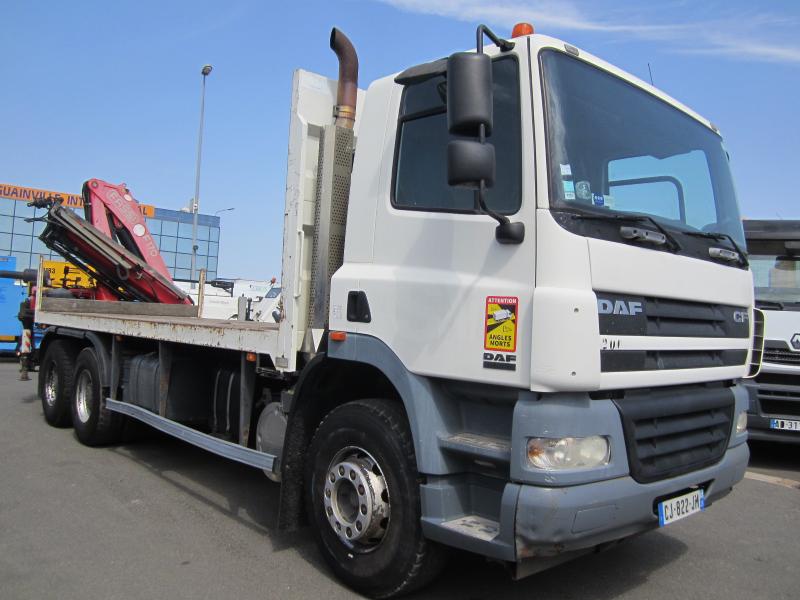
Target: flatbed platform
pixel 162 322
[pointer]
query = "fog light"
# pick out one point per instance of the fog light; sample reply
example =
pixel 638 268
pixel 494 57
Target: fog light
pixel 568 453
pixel 741 422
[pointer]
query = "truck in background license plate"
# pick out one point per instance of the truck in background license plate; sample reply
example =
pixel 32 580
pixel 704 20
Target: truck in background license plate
pixel 784 424
pixel 679 507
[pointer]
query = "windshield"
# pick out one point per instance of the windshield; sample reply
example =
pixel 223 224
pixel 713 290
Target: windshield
pixel 776 277
pixel 615 149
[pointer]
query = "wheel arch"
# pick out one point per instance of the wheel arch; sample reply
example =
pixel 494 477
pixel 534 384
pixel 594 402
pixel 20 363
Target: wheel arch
pixel 361 367
pixel 83 339
pixel 324 384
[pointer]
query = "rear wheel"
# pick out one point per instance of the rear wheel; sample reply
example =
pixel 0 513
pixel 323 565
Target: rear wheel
pixel 362 494
pixel 94 424
pixel 56 382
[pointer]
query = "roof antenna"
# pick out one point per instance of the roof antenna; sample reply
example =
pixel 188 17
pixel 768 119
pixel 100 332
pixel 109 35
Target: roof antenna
pixel 649 70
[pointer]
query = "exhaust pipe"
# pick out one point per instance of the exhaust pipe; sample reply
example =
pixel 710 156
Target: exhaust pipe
pixel 346 93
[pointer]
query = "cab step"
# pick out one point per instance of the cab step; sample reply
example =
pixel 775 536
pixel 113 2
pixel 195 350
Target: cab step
pixel 474 526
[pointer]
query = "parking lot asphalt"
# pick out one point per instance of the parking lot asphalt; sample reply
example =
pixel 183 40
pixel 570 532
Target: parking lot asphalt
pixel 156 518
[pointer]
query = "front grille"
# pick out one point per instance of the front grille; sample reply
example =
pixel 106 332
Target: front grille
pixel 777 379
pixel 780 408
pixel 614 361
pixel 624 314
pixel 781 357
pixel 778 394
pixel 671 431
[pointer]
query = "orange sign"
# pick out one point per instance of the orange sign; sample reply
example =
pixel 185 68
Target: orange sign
pixel 26 194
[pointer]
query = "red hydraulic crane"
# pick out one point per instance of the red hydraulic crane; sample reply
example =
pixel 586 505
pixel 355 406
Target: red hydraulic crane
pixel 113 243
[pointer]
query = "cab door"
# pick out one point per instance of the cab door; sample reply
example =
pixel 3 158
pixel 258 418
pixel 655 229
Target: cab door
pixel 444 294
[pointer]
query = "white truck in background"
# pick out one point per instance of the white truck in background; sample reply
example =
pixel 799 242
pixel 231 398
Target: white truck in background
pixel 774 248
pixel 515 317
pixel 248 299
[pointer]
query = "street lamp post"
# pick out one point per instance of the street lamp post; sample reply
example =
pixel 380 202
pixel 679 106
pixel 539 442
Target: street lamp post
pixel 196 202
pixel 222 210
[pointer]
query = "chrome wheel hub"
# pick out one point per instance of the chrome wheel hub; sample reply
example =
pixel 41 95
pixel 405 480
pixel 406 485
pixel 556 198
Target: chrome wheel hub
pixel 356 498
pixel 83 393
pixel 51 386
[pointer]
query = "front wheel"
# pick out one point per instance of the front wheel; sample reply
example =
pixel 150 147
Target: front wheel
pixel 94 424
pixel 362 494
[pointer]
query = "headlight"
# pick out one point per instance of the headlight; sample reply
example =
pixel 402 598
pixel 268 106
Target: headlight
pixel 568 453
pixel 741 422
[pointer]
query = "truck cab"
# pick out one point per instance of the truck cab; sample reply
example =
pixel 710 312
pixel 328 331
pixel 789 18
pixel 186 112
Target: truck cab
pixel 774 247
pixel 624 314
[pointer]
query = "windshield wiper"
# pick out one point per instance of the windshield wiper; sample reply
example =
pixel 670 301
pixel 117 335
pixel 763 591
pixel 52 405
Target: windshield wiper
pixel 770 304
pixel 714 235
pixel 632 234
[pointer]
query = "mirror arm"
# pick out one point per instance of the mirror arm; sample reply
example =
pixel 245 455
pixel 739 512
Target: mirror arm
pixel 502 219
pixel 504 45
pixel 506 231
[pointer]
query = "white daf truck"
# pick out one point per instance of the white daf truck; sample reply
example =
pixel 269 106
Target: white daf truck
pixel 515 318
pixel 774 248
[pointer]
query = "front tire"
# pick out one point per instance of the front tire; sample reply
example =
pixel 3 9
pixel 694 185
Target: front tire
pixel 94 424
pixel 362 495
pixel 56 382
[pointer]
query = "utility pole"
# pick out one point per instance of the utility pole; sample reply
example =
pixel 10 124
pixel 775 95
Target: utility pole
pixel 196 201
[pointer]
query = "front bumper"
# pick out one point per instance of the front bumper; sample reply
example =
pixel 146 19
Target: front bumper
pixel 540 518
pixel 554 521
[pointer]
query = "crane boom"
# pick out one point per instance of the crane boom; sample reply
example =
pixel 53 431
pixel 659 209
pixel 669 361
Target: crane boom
pixel 113 243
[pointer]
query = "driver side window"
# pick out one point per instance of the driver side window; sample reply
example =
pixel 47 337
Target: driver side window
pixel 420 178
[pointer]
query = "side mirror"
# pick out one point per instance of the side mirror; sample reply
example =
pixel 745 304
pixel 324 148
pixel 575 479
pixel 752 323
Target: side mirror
pixel 470 113
pixel 469 94
pixel 469 163
pixel 470 110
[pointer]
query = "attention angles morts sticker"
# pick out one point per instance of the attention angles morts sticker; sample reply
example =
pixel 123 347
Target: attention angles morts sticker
pixel 500 333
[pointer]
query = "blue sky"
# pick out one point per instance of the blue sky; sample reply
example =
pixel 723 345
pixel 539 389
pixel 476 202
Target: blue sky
pixel 111 89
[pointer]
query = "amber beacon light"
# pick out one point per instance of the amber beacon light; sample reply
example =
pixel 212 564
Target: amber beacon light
pixel 521 29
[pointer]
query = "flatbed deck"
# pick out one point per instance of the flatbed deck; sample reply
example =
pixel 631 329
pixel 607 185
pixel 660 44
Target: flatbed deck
pixel 166 323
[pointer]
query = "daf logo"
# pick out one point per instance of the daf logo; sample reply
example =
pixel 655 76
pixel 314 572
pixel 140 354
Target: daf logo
pixel 618 307
pixel 740 316
pixel 796 341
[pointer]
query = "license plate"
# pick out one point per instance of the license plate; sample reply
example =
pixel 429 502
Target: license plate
pixel 784 424
pixel 679 507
